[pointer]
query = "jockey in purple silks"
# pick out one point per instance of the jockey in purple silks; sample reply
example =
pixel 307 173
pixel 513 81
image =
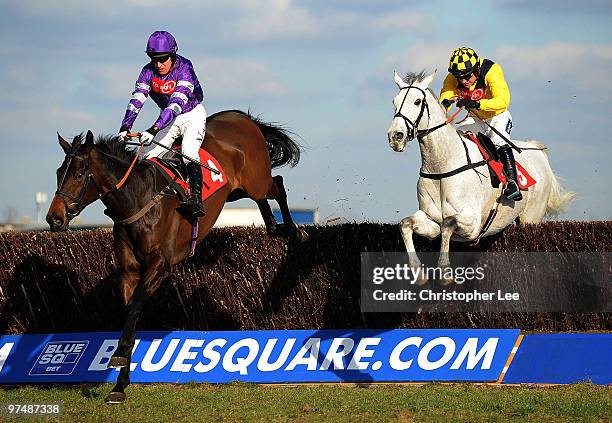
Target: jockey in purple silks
pixel 173 85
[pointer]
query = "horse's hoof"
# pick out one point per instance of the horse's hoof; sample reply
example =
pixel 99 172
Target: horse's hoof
pixel 300 235
pixel 278 230
pixel 421 280
pixel 115 398
pixel 117 362
pixel 446 281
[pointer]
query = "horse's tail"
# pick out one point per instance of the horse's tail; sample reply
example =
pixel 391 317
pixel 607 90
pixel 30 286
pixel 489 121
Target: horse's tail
pixel 282 148
pixel 559 199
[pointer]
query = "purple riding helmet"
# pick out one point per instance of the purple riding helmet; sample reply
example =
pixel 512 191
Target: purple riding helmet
pixel 161 42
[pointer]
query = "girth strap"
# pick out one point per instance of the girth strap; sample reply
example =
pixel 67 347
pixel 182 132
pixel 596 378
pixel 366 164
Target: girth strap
pixel 153 201
pixel 438 176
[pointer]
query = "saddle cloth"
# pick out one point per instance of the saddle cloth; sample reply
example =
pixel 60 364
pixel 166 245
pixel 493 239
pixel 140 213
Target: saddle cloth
pixel 489 153
pixel 171 166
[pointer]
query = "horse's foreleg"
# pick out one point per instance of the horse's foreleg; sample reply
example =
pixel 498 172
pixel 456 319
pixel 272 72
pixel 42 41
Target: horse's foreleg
pixel 129 272
pixel 421 224
pixel 464 225
pixel 449 225
pixel 278 193
pixel 153 275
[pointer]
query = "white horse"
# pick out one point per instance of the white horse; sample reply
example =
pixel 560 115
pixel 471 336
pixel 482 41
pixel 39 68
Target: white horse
pixel 458 205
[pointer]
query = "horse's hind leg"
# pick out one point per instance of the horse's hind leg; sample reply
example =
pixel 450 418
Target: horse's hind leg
pixel 278 193
pixel 268 217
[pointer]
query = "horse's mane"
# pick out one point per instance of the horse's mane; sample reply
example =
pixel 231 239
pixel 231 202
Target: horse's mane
pixel 412 78
pixel 111 145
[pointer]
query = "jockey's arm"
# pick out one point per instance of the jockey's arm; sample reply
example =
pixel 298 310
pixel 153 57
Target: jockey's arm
pixel 500 94
pixel 139 96
pixel 448 89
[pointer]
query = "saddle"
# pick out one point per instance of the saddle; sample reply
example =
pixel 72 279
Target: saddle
pixel 173 169
pixel 496 168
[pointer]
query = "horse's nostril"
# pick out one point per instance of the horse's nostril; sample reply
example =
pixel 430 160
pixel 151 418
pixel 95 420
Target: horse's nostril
pixel 398 136
pixel 55 223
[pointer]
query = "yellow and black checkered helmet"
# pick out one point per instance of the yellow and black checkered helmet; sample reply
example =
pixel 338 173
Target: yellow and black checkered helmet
pixel 462 61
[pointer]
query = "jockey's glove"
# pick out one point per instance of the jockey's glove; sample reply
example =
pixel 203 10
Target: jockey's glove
pixel 122 135
pixel 447 102
pixel 146 137
pixel 468 103
pixel 149 134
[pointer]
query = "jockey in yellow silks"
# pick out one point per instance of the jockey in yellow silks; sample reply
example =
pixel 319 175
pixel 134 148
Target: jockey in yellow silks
pixel 478 85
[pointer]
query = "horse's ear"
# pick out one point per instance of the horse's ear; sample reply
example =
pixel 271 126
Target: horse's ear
pixel 64 144
pixel 399 81
pixel 428 80
pixel 89 139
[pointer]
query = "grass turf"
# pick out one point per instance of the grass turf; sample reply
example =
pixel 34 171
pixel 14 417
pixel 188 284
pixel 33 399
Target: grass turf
pixel 245 402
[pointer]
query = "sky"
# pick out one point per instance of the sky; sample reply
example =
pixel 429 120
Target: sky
pixel 322 68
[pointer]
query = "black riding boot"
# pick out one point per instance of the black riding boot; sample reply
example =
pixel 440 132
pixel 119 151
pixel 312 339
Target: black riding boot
pixel 193 207
pixel 512 191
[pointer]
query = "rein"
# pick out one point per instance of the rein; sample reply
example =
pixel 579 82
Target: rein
pixel 127 173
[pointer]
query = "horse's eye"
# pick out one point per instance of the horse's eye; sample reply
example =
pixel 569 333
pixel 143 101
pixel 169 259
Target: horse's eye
pixel 80 172
pixel 417 102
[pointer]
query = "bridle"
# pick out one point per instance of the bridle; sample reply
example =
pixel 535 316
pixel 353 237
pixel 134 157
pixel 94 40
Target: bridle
pixel 75 200
pixel 413 126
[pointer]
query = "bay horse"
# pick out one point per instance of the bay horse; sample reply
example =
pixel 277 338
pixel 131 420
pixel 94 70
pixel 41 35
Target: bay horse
pixel 147 248
pixel 456 197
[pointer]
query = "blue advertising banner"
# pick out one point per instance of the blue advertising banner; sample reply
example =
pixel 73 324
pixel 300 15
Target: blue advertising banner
pixel 262 356
pixel 563 358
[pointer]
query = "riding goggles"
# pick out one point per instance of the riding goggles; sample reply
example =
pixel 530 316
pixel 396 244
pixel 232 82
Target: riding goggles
pixel 463 75
pixel 159 58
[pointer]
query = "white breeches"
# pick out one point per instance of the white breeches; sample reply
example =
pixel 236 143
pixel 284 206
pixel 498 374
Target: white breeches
pixel 502 122
pixel 191 126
